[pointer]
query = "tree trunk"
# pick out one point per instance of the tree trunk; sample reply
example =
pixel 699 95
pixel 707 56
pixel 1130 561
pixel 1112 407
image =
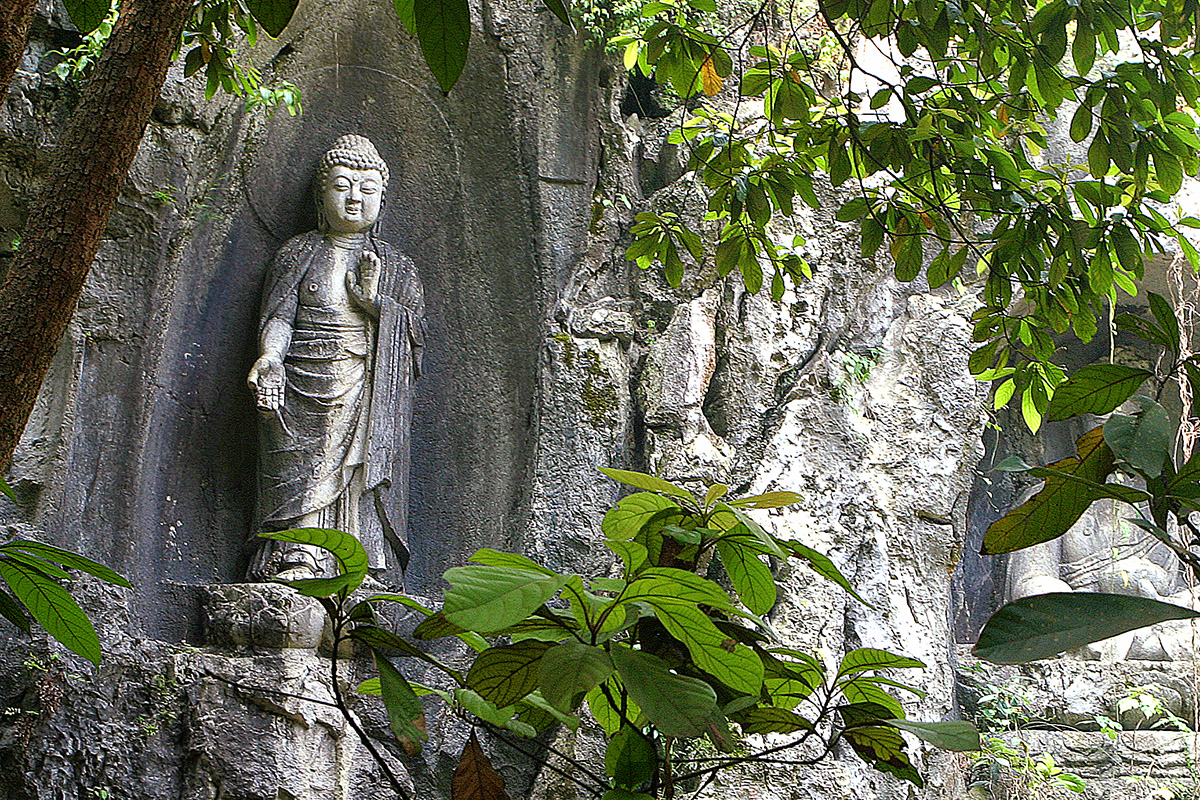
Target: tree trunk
pixel 67 218
pixel 15 16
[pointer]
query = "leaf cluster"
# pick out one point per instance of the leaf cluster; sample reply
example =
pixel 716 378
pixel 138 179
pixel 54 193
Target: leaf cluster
pixel 1134 446
pixel 656 654
pixel 37 579
pixel 941 161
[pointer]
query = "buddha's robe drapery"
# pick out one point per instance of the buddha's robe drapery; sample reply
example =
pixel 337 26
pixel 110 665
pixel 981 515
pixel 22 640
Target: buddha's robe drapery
pixel 339 445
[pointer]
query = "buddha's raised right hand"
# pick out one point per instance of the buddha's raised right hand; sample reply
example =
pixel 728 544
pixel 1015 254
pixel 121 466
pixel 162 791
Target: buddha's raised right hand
pixel 266 381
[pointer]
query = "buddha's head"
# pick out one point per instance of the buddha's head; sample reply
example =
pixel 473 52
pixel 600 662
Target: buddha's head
pixel 351 179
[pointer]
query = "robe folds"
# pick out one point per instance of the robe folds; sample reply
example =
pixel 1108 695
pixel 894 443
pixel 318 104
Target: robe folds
pixel 340 443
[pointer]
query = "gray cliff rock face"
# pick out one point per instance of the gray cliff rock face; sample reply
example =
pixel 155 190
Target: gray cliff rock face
pixel 547 356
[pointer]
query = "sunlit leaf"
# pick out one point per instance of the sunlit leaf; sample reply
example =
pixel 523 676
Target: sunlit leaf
pixel 1052 511
pixel 53 608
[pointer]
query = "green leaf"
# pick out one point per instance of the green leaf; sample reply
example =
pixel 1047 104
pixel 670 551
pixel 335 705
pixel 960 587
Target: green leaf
pixel 1165 315
pixel 883 748
pixel 443 28
pixel 496 558
pixel 1098 156
pixel 676 704
pixel 272 15
pixel 729 661
pixel 559 9
pixel 1053 510
pixel 630 515
pixel 822 566
pixel 641 480
pixel 751 578
pixel 407 15
pixel 405 714
pixel 488 599
pixel 958 736
pixel 68 559
pixel 1042 626
pixel 381 639
pixel 868 658
pixel 623 794
pixel 768 500
pixel 769 719
pixel 7 490
pixel 570 669
pixel 630 758
pixel 1095 389
pixel 1083 48
pixel 323 587
pixel 53 607
pixel 1081 123
pixel 351 558
pixel 88 14
pixel 1143 440
pixel 488 712
pixel 11 610
pixel 505 674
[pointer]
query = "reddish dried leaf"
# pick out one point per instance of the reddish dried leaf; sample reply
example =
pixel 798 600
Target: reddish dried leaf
pixel 474 778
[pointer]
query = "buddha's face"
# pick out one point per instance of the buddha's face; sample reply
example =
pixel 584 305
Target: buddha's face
pixel 351 198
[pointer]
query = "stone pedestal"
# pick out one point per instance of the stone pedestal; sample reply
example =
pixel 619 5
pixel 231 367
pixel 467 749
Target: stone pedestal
pixel 267 615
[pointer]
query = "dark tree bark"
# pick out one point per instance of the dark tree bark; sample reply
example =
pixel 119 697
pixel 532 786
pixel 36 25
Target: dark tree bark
pixel 67 218
pixel 15 16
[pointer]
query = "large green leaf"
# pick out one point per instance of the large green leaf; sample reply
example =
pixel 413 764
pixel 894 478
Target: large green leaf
pixel 751 578
pixel 630 758
pixel 1142 440
pixel 625 794
pixel 351 558
pixel 729 661
pixel 570 669
pixel 87 14
pixel 1095 389
pixel 606 714
pixel 773 720
pixel 11 610
pixel 53 607
pixel 958 736
pixel 496 558
pixel 560 10
pixel 507 673
pixel 406 14
pixel 768 500
pixel 676 704
pixel 272 15
pixel 626 519
pixel 1045 625
pixel 326 587
pixel 488 599
pixel 641 480
pixel 868 658
pixel 1052 511
pixel 67 559
pixel 381 639
pixel 443 28
pixel 405 714
pixel 822 566
pixel 883 748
